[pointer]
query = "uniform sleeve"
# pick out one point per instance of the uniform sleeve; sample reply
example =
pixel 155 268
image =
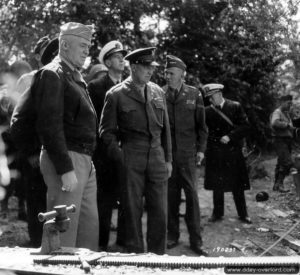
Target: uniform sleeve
pixel 108 128
pixel 166 133
pixel 201 127
pixel 50 116
pixel 241 123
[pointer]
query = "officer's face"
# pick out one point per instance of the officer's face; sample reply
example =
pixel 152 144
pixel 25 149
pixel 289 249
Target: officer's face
pixel 216 99
pixel 174 76
pixel 142 73
pixel 76 50
pixel 116 62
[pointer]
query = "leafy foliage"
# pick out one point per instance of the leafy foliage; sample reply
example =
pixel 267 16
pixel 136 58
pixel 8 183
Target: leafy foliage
pixel 238 43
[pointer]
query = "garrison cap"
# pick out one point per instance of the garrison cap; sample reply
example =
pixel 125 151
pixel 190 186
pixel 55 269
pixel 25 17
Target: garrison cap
pixel 41 44
pixel 173 61
pixel 77 29
pixel 212 88
pixel 110 48
pixel 144 56
pixel 50 51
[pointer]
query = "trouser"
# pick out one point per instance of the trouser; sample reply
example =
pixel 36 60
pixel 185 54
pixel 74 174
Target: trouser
pixel 283 148
pixel 84 225
pixel 146 176
pixel 108 196
pixel 36 190
pixel 239 200
pixel 184 176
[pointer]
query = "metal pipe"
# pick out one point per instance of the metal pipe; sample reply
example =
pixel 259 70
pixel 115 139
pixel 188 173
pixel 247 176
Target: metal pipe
pixel 154 261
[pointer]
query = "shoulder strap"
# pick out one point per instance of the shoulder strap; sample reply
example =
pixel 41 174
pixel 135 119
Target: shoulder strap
pixel 220 113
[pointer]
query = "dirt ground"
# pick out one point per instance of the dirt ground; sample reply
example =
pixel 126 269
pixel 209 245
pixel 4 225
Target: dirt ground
pixel 229 237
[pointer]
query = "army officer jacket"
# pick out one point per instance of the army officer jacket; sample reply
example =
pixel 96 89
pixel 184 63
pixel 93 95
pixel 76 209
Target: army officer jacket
pixel 126 117
pixel 187 119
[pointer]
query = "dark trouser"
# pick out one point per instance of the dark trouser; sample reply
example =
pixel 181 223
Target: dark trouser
pixel 283 147
pixel 239 200
pixel 184 176
pixel 108 195
pixel 36 191
pixel 146 176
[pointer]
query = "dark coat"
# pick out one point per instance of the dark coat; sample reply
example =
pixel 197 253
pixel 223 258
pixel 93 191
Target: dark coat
pixel 225 164
pixel 97 89
pixel 66 118
pixel 187 119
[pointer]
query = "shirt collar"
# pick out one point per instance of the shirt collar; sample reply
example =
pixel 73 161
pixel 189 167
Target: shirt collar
pixel 114 80
pixel 178 88
pixel 68 63
pixel 222 103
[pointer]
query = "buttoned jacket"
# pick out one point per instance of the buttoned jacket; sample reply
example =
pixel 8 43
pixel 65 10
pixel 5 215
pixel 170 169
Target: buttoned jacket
pixel 187 119
pixel 128 118
pixel 66 119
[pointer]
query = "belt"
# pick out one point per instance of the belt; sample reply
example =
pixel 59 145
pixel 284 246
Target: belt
pixel 142 141
pixel 82 148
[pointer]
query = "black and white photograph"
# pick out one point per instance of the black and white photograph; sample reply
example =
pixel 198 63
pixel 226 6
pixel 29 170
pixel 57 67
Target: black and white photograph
pixel 149 137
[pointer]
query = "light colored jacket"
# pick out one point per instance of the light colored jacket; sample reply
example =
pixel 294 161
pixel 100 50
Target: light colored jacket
pixel 281 124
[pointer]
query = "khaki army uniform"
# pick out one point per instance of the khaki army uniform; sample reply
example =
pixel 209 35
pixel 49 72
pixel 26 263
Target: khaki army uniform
pixel 189 134
pixel 137 135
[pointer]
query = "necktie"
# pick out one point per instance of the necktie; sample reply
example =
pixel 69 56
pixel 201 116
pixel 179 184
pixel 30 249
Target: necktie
pixel 172 93
pixel 145 94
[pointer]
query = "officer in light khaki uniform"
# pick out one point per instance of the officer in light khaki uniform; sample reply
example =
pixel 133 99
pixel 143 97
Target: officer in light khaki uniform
pixel 67 127
pixel 189 134
pixel 135 128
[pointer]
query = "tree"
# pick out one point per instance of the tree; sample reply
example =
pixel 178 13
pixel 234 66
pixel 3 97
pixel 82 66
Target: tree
pixel 232 43
pixel 238 43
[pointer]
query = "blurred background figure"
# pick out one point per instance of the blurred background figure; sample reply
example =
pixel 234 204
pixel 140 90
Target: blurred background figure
pixel 282 131
pixel 8 100
pixel 36 189
pixel 96 72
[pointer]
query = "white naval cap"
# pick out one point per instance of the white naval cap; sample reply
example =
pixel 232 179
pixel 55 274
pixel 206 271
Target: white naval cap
pixel 110 48
pixel 212 88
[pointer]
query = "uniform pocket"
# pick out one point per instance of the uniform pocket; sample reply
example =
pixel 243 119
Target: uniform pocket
pixel 191 106
pixel 159 110
pixel 128 114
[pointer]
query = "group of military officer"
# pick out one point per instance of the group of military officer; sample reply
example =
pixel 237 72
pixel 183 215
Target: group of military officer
pixel 150 140
pixel 156 137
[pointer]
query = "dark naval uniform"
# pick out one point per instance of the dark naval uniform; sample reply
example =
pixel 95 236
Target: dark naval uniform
pixel 189 134
pixel 108 174
pixel 137 134
pixel 225 169
pixel 106 170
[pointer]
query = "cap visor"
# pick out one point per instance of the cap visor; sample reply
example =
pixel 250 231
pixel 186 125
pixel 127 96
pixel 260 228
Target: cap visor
pixel 154 63
pixel 50 51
